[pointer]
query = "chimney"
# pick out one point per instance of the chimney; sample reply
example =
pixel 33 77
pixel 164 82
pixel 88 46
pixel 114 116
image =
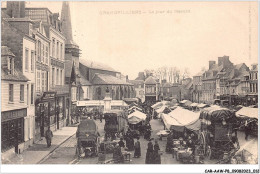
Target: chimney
pixel 126 77
pixel 220 61
pixel 224 61
pixel 15 9
pixel 211 62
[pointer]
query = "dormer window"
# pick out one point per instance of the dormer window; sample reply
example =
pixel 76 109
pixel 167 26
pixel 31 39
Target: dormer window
pixel 10 65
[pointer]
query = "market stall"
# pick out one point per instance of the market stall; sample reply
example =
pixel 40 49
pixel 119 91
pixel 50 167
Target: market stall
pixel 134 108
pixel 194 106
pixel 218 132
pixel 136 117
pixel 164 109
pixel 185 103
pixel 247 154
pixel 181 118
pixel 202 106
pixel 248 116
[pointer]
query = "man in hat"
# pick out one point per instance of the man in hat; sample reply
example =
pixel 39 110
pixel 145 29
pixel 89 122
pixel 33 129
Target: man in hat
pixel 48 136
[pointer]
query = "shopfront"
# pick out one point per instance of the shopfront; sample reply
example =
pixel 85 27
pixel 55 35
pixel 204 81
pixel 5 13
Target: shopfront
pixel 62 109
pixel 45 115
pixel 12 127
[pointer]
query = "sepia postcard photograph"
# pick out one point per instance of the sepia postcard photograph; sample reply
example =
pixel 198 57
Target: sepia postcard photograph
pixel 128 86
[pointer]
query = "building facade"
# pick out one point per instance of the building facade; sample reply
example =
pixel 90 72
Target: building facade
pixel 50 71
pixel 15 131
pixel 152 89
pixel 139 89
pixel 253 85
pixel 197 84
pixel 18 36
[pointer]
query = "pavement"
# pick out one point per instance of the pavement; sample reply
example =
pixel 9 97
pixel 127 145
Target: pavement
pixel 39 151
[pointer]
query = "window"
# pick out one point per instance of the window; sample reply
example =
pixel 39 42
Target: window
pixel 256 75
pixel 26 59
pixel 57 54
pixel 61 51
pixel 43 85
pixel 21 93
pixel 61 77
pixel 28 97
pixel 53 47
pixel 32 94
pixel 39 51
pixel 11 92
pixel 32 61
pixel 38 84
pixel 11 65
pixel 53 76
pixel 43 54
pixel 46 54
pixel 57 77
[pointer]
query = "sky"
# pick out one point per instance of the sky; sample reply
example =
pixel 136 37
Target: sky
pixel 133 36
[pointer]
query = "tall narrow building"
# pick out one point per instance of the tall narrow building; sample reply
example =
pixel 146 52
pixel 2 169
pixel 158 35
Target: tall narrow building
pixel 72 53
pixel 72 50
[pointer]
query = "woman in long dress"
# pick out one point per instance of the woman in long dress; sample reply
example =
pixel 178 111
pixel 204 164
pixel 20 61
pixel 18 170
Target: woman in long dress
pixel 137 153
pixel 149 153
pixel 156 155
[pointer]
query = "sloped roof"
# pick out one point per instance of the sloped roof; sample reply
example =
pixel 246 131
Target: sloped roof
pixel 105 79
pixel 150 81
pixel 16 76
pixel 136 82
pixel 96 65
pixel 5 51
pixel 238 66
pixel 83 80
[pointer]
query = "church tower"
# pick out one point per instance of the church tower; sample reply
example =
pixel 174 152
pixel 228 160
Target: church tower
pixel 72 51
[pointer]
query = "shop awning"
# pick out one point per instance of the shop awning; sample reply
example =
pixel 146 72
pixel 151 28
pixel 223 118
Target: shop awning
pixel 248 112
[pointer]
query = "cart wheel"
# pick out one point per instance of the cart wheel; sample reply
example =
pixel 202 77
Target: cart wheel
pixel 202 143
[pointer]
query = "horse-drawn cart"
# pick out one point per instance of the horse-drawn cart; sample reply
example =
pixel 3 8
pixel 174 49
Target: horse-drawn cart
pixel 87 138
pixel 218 136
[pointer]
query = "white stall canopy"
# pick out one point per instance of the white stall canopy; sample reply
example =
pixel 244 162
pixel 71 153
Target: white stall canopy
pixel 136 117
